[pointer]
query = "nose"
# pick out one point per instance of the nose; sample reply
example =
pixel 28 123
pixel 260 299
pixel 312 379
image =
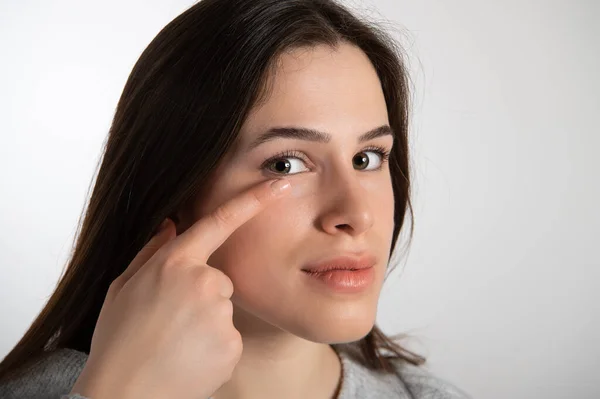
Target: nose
pixel 347 209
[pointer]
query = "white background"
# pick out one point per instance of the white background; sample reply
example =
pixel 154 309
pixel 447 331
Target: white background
pixel 498 289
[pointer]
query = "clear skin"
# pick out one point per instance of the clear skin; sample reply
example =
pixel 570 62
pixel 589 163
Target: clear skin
pixel 287 322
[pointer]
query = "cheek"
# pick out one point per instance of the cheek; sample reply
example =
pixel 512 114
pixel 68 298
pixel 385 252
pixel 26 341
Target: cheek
pixel 261 246
pixel 261 257
pixel 274 240
pixel 382 200
pixel 304 188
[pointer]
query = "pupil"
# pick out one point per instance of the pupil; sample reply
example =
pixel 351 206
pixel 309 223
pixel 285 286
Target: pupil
pixel 361 160
pixel 282 166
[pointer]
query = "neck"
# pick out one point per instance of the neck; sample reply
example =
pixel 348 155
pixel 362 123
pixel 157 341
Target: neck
pixel 277 364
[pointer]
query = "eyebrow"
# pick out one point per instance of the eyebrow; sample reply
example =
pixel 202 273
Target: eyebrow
pixel 299 133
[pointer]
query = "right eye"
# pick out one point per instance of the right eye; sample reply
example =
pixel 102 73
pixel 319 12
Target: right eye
pixel 286 163
pixel 288 166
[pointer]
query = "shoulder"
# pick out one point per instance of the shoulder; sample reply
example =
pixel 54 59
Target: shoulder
pixel 423 384
pixel 51 376
pixel 408 382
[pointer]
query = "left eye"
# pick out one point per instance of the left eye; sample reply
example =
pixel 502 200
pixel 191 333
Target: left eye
pixel 362 161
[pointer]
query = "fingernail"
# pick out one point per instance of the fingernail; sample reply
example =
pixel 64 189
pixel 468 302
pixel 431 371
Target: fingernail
pixel 280 185
pixel 162 226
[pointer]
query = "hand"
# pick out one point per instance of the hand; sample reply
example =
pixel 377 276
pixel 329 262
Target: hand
pixel 165 328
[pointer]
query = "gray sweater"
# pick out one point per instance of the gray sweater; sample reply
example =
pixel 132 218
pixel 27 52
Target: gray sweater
pixel 53 376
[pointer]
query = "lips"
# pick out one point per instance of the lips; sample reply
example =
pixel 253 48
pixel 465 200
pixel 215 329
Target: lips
pixel 344 262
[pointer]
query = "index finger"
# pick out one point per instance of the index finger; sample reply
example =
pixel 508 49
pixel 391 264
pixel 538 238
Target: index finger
pixel 207 234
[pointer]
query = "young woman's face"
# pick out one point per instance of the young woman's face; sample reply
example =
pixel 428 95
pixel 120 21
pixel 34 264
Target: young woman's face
pixel 341 203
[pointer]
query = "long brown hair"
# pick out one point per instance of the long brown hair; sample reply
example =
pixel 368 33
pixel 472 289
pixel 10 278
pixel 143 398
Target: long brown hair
pixel 180 112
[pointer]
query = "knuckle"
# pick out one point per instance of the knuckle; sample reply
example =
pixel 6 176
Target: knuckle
pixel 255 199
pixel 152 246
pixel 222 215
pixel 225 309
pixel 160 250
pixel 233 344
pixel 169 264
pixel 113 288
pixel 205 280
pixel 228 284
pixel 170 267
pixel 221 277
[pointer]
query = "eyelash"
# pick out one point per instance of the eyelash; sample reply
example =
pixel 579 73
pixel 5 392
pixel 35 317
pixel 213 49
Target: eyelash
pixel 381 151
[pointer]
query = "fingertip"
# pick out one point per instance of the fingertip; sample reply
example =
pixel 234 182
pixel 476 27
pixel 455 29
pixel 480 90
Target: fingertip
pixel 164 226
pixel 280 186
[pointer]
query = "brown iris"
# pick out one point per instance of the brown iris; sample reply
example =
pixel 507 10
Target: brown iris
pixel 282 166
pixel 360 160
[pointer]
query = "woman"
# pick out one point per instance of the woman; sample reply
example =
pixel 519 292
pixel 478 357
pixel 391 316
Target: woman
pixel 251 193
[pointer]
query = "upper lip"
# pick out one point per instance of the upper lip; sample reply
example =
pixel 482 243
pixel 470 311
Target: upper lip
pixel 343 262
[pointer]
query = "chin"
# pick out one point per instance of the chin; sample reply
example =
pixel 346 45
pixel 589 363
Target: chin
pixel 333 329
pixel 316 319
pixel 336 334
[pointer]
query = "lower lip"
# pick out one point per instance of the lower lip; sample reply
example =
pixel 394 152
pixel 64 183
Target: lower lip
pixel 345 280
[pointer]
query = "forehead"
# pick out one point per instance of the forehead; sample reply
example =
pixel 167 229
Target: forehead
pixel 336 90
